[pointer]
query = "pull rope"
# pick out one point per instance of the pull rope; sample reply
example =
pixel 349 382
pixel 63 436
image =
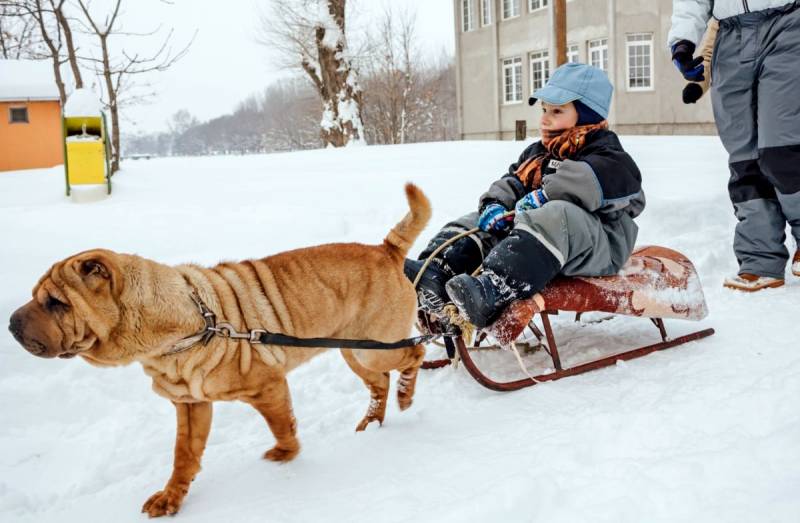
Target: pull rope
pixel 439 249
pixel 522 366
pixel 450 310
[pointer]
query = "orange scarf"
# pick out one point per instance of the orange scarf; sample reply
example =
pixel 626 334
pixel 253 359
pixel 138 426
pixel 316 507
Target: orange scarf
pixel 558 144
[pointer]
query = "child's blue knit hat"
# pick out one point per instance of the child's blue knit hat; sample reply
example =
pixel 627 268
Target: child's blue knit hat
pixel 581 82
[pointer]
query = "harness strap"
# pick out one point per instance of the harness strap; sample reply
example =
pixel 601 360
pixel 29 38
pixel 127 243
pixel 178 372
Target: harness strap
pixel 226 330
pixel 273 338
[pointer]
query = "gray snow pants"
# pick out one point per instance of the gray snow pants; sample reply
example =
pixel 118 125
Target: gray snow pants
pixel 583 244
pixel 756 98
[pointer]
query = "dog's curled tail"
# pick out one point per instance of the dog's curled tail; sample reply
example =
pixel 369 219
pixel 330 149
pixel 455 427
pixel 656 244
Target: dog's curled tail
pixel 402 235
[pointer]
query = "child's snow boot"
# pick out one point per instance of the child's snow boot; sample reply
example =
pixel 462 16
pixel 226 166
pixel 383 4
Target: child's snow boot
pixel 430 289
pixel 481 300
pixel 751 282
pixel 517 268
pixel 796 263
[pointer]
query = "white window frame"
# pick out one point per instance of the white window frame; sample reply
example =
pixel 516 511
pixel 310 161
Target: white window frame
pixel 599 45
pixel 509 13
pixel 467 18
pixel 539 62
pixel 639 40
pixel 573 51
pixel 486 12
pixel 535 5
pixel 514 66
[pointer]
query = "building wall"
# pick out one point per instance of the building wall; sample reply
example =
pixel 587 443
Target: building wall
pixel 480 52
pixel 35 144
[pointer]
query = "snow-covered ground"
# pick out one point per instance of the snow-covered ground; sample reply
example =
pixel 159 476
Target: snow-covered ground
pixel 709 431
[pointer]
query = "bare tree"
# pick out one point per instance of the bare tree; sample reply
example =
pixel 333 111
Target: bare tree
pixel 181 121
pixel 50 38
pixel 290 110
pixel 119 70
pixel 407 98
pixel 17 32
pixel 58 9
pixel 310 34
pixel 391 78
pixel 43 28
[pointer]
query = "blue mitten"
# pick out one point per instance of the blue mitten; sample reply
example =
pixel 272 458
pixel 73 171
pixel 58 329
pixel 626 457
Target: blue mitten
pixel 532 200
pixel 495 218
pixel 690 67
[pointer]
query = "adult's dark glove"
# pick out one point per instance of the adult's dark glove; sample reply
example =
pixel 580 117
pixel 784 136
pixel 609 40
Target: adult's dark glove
pixel 691 93
pixel 691 68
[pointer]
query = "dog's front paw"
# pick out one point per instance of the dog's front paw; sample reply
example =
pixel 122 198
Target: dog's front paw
pixel 277 453
pixel 165 502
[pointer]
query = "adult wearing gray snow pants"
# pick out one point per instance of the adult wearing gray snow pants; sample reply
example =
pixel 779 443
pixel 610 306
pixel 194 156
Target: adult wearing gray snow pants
pixel 755 79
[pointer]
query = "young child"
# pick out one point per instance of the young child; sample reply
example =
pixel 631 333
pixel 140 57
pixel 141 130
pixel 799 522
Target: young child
pixel 575 194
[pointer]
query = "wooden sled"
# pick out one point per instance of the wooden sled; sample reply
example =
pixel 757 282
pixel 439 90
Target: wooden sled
pixel 656 283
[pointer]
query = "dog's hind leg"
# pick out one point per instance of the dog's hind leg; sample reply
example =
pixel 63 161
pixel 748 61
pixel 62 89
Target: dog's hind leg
pixel 275 404
pixel 407 382
pixel 378 385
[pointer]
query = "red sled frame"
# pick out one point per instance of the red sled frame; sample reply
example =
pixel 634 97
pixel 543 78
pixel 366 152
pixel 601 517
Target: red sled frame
pixel 551 347
pixel 637 291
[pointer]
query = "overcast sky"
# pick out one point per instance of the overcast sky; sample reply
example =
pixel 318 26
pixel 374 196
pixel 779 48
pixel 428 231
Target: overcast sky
pixel 225 63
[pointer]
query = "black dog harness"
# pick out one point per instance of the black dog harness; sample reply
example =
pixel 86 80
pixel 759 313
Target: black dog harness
pixel 263 336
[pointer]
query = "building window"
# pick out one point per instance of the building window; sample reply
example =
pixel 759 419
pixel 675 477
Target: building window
pixel 573 54
pixel 598 53
pixel 512 80
pixel 18 115
pixel 486 12
pixel 640 61
pixel 510 8
pixel 466 15
pixel 540 69
pixel 533 5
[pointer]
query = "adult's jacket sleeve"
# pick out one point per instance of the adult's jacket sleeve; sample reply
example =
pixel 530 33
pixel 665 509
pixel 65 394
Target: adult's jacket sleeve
pixel 689 20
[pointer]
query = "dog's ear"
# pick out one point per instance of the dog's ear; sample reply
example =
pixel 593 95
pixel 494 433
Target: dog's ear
pixel 97 269
pixel 94 267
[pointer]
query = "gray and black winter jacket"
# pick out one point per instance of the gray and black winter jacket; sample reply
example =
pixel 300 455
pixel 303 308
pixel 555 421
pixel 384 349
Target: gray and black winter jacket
pixel 602 179
pixel 689 17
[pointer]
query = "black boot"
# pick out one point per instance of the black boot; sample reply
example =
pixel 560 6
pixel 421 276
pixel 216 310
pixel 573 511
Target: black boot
pixel 481 300
pixel 431 286
pixel 516 268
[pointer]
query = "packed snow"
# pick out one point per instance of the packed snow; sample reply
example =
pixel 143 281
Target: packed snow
pixel 83 102
pixel 709 431
pixel 27 80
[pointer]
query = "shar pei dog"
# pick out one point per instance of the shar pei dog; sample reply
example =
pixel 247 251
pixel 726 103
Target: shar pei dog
pixel 113 309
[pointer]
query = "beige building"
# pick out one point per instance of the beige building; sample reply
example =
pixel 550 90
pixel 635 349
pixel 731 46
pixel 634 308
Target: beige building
pixel 504 52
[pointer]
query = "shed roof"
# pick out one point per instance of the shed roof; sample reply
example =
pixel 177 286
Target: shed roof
pixel 27 80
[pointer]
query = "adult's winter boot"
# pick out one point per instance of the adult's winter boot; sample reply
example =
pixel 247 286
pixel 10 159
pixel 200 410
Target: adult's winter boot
pixel 796 263
pixel 752 282
pixel 431 287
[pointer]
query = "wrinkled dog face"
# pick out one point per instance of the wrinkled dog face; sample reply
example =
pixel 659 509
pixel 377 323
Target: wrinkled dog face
pixel 73 310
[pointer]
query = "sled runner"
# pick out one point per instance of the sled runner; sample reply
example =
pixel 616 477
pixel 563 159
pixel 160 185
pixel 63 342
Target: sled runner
pixel 656 283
